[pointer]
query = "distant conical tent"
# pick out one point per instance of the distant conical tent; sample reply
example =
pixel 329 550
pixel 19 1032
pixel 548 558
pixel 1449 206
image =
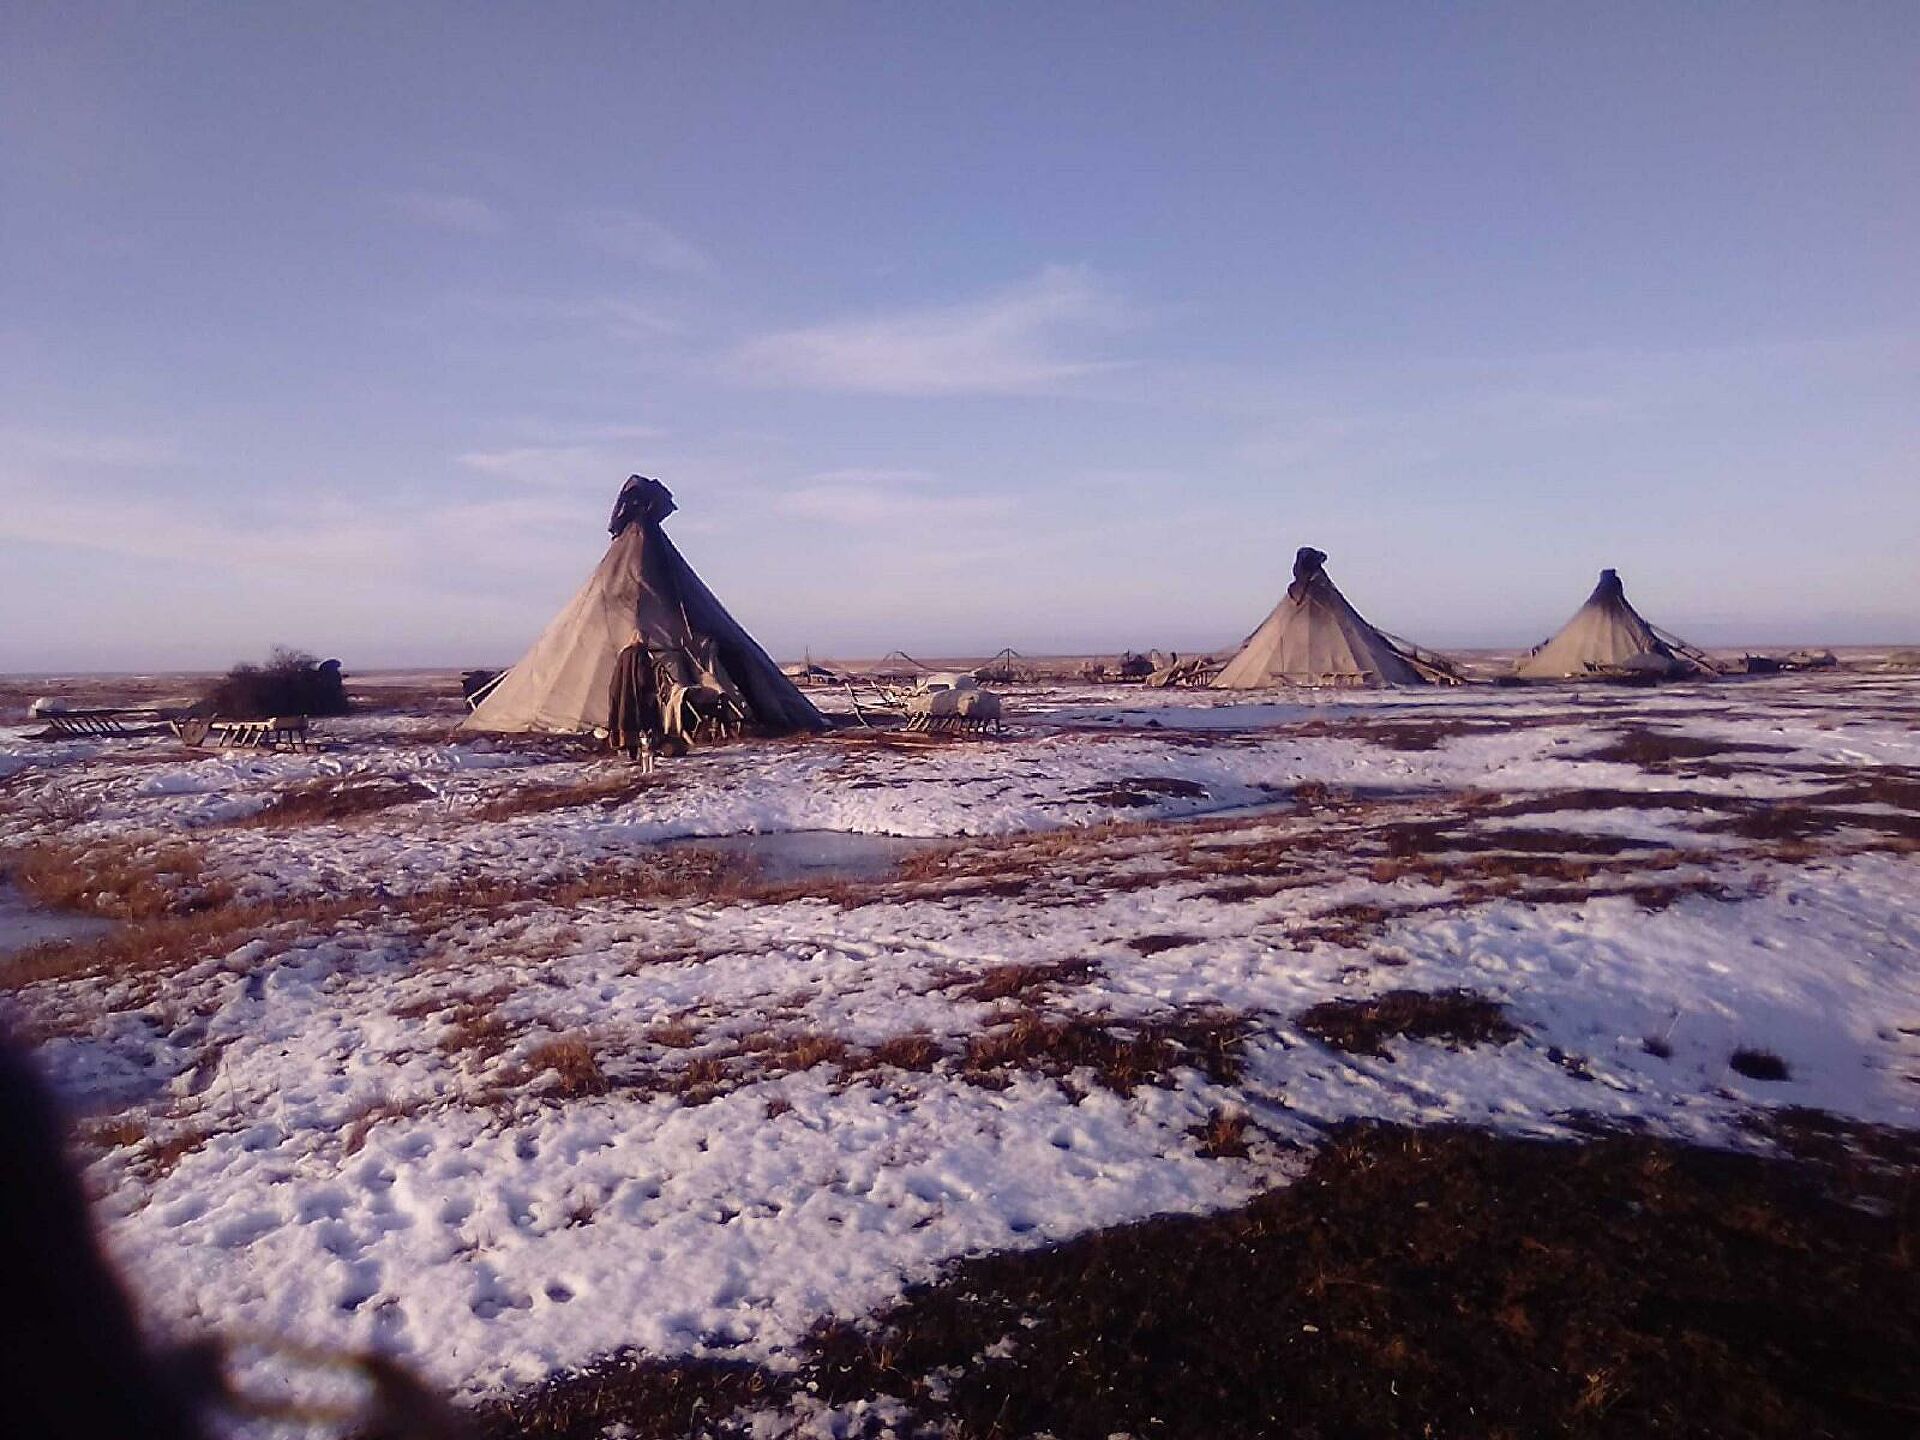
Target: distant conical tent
pixel 643 592
pixel 1314 637
pixel 1607 636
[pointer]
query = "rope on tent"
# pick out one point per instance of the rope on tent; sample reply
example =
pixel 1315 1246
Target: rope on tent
pixel 858 713
pixel 481 692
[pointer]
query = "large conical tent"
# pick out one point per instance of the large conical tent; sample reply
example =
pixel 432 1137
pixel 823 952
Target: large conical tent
pixel 643 592
pixel 1607 636
pixel 1314 637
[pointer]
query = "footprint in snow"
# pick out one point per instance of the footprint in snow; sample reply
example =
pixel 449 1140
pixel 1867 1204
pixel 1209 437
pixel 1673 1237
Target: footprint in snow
pixel 329 1203
pixel 363 1283
pixel 184 1212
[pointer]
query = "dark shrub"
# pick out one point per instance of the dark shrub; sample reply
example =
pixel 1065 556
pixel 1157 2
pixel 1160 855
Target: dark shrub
pixel 290 683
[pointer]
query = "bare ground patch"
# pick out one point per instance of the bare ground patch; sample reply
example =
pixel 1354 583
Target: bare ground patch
pixel 653 1399
pixel 1457 1018
pixel 609 792
pixel 334 801
pixel 1140 792
pixel 1413 1282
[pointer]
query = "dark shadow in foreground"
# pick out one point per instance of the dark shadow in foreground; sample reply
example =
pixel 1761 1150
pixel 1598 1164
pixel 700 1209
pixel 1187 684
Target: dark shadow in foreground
pixel 1414 1282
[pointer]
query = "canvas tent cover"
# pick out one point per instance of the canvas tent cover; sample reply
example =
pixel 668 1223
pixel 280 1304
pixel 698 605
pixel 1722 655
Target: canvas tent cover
pixel 1314 637
pixel 643 591
pixel 1607 636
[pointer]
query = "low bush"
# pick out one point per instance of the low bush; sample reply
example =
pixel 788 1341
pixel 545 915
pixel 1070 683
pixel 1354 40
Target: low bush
pixel 290 683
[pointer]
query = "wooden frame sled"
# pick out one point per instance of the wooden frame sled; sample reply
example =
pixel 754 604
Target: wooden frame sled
pixel 281 732
pixel 955 724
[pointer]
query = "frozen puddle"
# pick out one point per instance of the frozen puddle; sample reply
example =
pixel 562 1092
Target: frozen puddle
pixel 783 856
pixel 24 925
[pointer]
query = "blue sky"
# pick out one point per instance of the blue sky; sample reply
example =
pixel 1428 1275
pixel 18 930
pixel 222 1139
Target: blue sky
pixel 953 326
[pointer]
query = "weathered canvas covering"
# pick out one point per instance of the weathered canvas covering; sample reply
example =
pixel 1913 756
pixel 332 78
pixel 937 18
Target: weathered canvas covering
pixel 1606 636
pixel 644 591
pixel 1314 637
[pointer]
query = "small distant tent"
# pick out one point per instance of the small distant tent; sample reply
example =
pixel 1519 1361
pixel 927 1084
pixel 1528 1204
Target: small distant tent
pixel 1608 637
pixel 1314 637
pixel 644 594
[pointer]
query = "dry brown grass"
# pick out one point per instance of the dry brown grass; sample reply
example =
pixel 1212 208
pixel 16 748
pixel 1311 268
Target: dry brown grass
pixel 474 1028
pixel 1224 1136
pixel 334 801
pixel 1023 982
pixel 1121 1054
pixel 915 1050
pixel 1362 1027
pixel 114 1132
pixel 119 880
pixel 570 1061
pixel 1157 944
pixel 609 792
pixel 160 1157
pixel 149 950
pixel 178 916
pixel 674 1035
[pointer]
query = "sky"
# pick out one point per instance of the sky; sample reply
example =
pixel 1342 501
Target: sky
pixel 953 326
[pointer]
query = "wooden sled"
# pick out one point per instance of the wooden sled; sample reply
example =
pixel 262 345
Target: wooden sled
pixel 955 724
pixel 281 732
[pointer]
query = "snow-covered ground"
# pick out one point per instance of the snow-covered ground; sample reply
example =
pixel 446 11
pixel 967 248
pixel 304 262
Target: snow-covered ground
pixel 482 1073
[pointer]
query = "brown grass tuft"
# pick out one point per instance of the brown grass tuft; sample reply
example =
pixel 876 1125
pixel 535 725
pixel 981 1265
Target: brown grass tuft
pixel 1155 944
pixel 915 1050
pixel 333 800
pixel 1224 1136
pixel 119 880
pixel 609 792
pixel 1362 1027
pixel 1025 982
pixel 161 1156
pixel 1122 1055
pixel 475 1029
pixel 115 1133
pixel 570 1060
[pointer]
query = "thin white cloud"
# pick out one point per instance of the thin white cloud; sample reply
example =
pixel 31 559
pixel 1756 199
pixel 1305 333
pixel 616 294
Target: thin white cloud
pixel 464 213
pixel 640 238
pixel 873 499
pixel 294 538
pixel 615 316
pixel 601 455
pixel 542 465
pixel 1009 343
